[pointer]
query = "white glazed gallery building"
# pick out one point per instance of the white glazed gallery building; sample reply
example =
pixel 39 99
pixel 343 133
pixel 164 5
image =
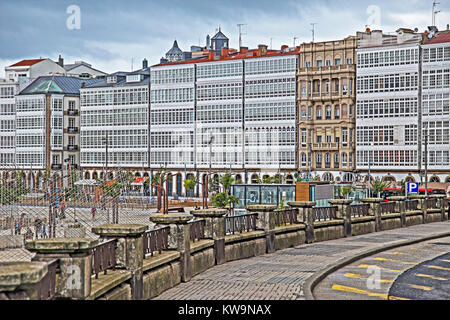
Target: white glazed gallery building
pixel 230 113
pixel 402 87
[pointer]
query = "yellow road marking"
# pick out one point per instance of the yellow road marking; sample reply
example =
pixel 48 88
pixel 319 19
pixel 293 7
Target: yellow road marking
pixel 366 266
pixel 397 298
pixel 439 268
pixel 358 291
pixel 431 277
pixel 357 276
pixel 446 261
pixel 392 260
pixel 421 287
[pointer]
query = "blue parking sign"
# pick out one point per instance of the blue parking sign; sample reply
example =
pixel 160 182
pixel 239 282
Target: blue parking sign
pixel 413 188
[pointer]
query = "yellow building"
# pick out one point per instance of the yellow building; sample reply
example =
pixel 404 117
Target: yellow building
pixel 326 98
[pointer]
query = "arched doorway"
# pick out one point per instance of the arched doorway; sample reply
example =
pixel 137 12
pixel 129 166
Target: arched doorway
pixel 179 185
pixel 87 175
pixel 435 179
pixel 95 175
pixel 328 177
pixel 289 179
pixel 410 179
pixel 255 179
pixel 190 192
pixel 238 179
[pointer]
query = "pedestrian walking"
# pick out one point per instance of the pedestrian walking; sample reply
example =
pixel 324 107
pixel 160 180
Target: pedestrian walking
pixel 17 227
pixel 93 210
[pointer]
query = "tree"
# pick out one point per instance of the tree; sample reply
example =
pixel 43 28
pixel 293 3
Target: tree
pixel 223 200
pixel 345 191
pixel 378 186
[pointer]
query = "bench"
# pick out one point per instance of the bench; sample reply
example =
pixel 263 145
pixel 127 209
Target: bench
pixel 179 209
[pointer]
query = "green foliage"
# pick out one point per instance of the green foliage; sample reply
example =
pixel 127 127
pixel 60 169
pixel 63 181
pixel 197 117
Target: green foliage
pixel 345 191
pixel 223 200
pixel 112 190
pixel 378 185
pixel 190 184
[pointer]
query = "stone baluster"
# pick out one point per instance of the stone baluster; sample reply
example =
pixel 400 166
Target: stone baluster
pixel 129 251
pixel 179 238
pixel 266 222
pixel 214 229
pixel 75 264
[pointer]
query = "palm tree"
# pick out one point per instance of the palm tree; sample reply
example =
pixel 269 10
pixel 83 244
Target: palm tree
pixel 379 185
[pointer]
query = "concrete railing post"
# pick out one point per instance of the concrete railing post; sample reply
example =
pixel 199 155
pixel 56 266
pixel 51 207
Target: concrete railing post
pixel 19 280
pixel 129 251
pixel 266 222
pixel 344 212
pixel 75 264
pixel 375 210
pixel 440 204
pixel 422 205
pixel 400 207
pixel 179 238
pixel 307 216
pixel 214 229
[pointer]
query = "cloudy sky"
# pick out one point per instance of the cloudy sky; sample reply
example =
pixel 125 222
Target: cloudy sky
pixel 113 33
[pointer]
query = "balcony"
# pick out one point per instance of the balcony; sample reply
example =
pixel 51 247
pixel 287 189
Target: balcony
pixel 325 147
pixel 73 112
pixel 72 148
pixel 72 130
pixel 56 166
pixel 327 69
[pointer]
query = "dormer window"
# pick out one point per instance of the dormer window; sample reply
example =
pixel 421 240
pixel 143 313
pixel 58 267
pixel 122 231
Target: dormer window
pixel 134 78
pixel 111 79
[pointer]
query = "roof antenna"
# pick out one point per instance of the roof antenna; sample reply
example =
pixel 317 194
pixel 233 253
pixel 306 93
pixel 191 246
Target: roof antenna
pixel 240 25
pixel 435 12
pixel 313 30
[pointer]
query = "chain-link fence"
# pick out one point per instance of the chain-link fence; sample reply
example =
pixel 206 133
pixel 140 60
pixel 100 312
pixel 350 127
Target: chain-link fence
pixel 57 205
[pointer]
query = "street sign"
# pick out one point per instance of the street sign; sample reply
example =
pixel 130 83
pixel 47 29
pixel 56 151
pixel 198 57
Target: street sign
pixel 413 188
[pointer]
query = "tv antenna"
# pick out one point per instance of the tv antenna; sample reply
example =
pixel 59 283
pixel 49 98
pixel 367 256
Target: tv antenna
pixel 435 12
pixel 295 38
pixel 240 25
pixel 313 30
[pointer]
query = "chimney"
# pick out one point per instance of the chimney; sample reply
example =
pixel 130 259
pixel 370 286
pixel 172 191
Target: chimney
pixel 224 52
pixel 243 49
pixel 83 84
pixel 211 55
pixel 262 50
pixel 284 47
pixel 448 27
pixel 61 61
pixel 144 64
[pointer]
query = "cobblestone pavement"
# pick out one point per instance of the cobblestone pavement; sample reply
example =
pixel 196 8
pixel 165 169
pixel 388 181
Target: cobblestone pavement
pixel 282 275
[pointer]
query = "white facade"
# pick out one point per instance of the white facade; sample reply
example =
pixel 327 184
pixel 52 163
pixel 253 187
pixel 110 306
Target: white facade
pixel 246 107
pixel 435 106
pixel 387 104
pixel 119 111
pixel 8 90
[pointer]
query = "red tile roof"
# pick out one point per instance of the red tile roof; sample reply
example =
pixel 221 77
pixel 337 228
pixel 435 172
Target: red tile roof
pixel 27 62
pixel 440 38
pixel 233 55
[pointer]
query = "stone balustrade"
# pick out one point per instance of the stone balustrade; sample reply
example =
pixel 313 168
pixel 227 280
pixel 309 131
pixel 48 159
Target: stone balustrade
pixel 136 276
